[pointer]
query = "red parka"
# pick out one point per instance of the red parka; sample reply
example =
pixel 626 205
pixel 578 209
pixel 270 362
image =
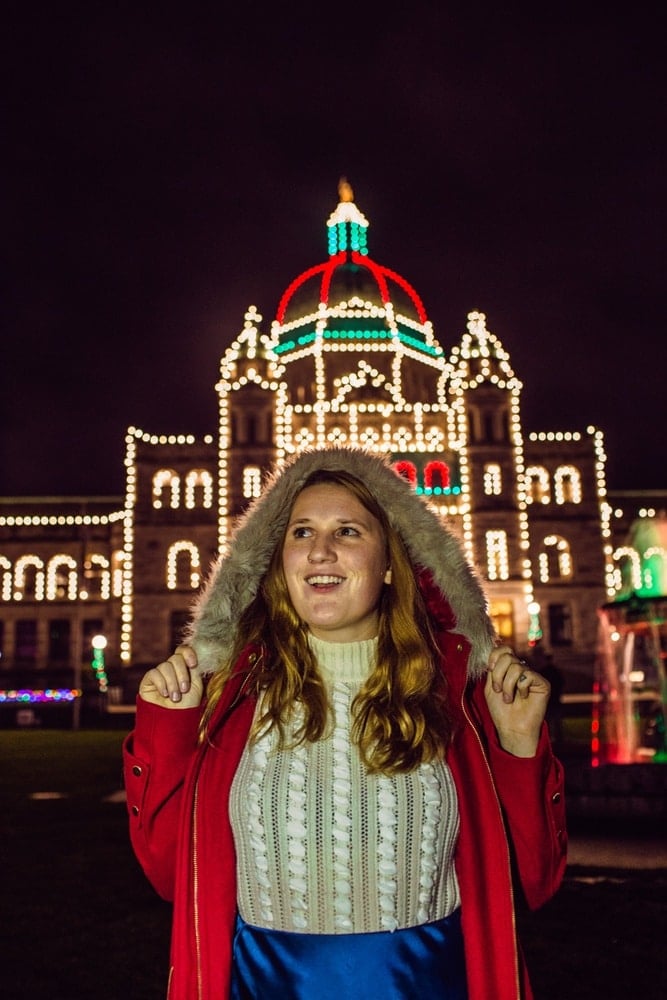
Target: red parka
pixel 512 821
pixel 512 840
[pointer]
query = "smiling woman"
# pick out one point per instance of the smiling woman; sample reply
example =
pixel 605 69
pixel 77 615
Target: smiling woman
pixel 335 563
pixel 315 777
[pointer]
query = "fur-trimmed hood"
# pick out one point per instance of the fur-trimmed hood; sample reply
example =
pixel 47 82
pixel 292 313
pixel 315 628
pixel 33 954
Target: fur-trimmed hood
pixel 235 579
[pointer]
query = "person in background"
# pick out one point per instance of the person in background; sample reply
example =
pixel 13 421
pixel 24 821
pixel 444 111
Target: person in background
pixel 340 780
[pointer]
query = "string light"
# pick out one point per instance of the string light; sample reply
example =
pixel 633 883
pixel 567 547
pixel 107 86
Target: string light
pixel 38 695
pixel 202 480
pixel 351 358
pixel 61 567
pixel 567 484
pixel 561 567
pixel 166 478
pixel 493 480
pixel 6 578
pixel 497 559
pixel 174 554
pixel 252 481
pixel 23 563
pixel 127 600
pixel 537 485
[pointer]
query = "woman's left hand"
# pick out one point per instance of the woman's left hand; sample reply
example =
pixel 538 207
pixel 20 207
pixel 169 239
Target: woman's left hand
pixel 517 698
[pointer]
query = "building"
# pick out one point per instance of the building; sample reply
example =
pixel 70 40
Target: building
pixel 351 357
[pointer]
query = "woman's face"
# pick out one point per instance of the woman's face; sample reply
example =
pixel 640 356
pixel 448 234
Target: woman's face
pixel 335 563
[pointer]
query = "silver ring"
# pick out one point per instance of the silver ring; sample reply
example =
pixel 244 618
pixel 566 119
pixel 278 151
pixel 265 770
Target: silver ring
pixel 522 677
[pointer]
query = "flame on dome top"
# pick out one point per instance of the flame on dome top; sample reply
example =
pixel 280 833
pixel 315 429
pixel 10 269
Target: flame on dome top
pixel 345 192
pixel 350 272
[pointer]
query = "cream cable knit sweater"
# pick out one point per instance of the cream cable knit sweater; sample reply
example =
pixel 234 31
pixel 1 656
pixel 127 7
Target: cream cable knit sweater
pixel 323 847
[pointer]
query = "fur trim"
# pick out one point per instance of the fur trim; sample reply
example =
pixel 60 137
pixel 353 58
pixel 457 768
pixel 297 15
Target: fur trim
pixel 234 580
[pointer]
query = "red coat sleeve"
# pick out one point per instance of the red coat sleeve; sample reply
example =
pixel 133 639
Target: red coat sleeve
pixel 156 757
pixel 531 794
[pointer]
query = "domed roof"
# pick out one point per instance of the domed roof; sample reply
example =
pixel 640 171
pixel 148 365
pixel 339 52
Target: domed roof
pixel 350 297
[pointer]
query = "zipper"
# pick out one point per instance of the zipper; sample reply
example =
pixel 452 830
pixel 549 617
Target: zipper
pixel 468 719
pixel 195 887
pixel 240 693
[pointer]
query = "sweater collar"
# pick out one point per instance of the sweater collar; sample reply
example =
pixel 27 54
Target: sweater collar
pixel 350 662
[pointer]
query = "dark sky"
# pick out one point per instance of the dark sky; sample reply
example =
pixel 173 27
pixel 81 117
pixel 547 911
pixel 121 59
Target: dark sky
pixel 165 168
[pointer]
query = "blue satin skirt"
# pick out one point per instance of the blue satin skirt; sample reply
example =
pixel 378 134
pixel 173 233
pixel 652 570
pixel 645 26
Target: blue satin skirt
pixel 424 961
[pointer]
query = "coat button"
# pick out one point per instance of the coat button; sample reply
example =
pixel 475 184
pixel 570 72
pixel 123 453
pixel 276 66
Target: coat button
pixel 136 771
pixel 135 810
pixel 555 798
pixel 252 658
pixel 459 647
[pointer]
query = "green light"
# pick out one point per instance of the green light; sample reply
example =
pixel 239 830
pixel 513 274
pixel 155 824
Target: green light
pixel 341 334
pixel 419 344
pixel 289 345
pixel 347 236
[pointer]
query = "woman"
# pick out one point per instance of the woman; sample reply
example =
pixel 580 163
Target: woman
pixel 338 780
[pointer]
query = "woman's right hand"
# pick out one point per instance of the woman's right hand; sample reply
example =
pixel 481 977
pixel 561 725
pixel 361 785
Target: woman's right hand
pixel 172 684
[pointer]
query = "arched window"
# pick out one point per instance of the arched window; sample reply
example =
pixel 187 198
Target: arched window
pixel 183 566
pixel 29 578
pixel 537 485
pixel 407 470
pixel 628 570
pixel 252 481
pixel 61 578
pixel 567 484
pixel 436 475
pixel 166 479
pixel 97 577
pixel 555 559
pixel 493 480
pixel 117 560
pixel 6 578
pixel 202 479
pixel 497 558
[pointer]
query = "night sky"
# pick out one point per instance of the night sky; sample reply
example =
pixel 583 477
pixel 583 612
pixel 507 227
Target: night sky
pixel 164 169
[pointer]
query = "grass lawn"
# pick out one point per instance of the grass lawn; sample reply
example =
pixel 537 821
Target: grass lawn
pixel 78 917
pixel 79 920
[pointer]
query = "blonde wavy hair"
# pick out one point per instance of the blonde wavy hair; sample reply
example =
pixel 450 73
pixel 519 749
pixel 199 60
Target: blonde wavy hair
pixel 399 717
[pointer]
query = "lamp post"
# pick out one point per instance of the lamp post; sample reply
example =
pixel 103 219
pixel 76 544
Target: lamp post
pixel 534 627
pixel 99 644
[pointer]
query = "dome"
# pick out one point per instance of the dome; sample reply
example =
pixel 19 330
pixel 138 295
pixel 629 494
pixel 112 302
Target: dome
pixel 350 297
